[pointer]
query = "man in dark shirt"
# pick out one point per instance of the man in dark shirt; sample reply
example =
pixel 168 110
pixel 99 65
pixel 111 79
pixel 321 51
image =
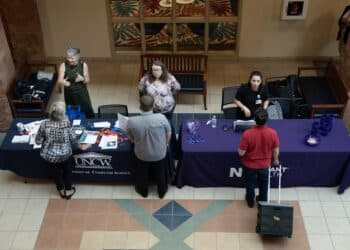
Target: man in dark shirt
pixel 250 96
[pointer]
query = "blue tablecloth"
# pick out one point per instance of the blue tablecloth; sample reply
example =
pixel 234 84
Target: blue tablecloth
pixel 215 162
pixel 91 165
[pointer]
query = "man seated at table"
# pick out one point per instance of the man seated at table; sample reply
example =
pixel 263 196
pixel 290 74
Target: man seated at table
pixel 257 146
pixel 150 134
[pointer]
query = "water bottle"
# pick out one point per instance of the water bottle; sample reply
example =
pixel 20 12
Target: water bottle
pixel 213 121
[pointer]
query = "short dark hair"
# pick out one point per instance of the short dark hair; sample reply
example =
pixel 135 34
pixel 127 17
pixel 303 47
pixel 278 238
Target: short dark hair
pixel 146 103
pixel 261 116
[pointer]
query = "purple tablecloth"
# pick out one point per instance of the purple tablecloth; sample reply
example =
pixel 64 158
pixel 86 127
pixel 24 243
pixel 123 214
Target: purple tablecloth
pixel 215 161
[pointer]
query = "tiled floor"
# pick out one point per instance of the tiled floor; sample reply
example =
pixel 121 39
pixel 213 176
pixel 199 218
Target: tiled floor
pixel 159 224
pixel 24 208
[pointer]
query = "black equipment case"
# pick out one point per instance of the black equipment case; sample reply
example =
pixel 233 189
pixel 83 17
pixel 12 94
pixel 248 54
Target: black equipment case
pixel 275 219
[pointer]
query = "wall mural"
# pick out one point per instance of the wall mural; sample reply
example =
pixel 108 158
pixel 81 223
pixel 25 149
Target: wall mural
pixel 158 35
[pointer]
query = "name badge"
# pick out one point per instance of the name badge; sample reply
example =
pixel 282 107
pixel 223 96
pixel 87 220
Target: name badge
pixel 258 102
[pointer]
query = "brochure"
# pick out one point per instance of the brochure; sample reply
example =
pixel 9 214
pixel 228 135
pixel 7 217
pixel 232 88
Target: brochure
pixel 109 142
pixel 88 137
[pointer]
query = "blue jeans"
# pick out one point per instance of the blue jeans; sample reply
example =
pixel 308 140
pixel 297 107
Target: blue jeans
pixel 250 175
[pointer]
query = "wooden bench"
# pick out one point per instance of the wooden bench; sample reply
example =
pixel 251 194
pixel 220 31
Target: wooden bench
pixel 189 70
pixel 35 107
pixel 324 94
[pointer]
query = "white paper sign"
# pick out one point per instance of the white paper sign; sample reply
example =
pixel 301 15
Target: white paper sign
pixel 122 121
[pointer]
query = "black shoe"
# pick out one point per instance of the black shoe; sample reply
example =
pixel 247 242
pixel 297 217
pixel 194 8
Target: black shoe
pixel 143 194
pixel 162 194
pixel 250 202
pixel 68 197
pixel 63 196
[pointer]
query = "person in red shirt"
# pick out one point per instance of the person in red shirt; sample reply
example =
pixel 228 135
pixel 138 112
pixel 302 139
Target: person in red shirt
pixel 257 147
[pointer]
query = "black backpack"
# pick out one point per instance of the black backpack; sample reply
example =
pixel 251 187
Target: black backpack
pixel 41 88
pixel 23 90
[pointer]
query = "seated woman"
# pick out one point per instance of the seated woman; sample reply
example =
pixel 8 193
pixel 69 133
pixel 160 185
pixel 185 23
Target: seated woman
pixel 57 137
pixel 162 86
pixel 250 96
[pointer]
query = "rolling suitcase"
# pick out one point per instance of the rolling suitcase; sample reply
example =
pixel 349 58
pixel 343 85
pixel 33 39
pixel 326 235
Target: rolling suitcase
pixel 275 219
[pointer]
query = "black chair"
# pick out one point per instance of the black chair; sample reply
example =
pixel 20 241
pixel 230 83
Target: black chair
pixel 282 86
pixel 227 106
pixel 111 111
pixel 292 108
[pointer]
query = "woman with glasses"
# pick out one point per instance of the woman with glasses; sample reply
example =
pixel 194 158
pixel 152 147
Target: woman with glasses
pixel 162 86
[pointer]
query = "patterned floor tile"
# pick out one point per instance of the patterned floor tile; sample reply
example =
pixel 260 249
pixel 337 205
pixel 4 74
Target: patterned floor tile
pixel 181 224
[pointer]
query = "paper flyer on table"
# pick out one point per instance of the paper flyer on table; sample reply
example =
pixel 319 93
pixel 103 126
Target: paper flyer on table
pixel 109 142
pixel 88 137
pixel 122 121
pixel 102 124
pixel 76 122
pixel 20 139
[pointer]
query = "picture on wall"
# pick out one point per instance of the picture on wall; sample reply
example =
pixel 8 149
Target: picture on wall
pixel 174 25
pixel 294 10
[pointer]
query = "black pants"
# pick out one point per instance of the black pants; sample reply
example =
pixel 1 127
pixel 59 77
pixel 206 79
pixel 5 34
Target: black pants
pixel 262 176
pixel 174 148
pixel 142 173
pixel 61 173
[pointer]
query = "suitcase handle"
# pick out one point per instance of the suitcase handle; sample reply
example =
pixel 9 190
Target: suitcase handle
pixel 279 184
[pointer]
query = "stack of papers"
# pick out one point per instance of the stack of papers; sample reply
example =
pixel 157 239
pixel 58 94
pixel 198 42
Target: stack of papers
pixel 20 139
pixel 33 127
pixel 109 142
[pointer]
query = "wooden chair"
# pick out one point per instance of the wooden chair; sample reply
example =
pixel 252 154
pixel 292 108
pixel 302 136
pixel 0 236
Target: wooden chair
pixel 324 94
pixel 30 108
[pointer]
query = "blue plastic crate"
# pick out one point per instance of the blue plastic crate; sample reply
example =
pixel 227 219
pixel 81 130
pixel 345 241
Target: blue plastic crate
pixel 73 112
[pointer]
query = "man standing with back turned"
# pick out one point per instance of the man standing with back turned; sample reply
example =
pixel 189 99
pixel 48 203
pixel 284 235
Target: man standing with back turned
pixel 257 146
pixel 150 134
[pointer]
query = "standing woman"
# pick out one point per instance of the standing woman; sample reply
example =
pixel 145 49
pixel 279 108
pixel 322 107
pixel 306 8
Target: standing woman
pixel 162 86
pixel 74 75
pixel 57 137
pixel 251 96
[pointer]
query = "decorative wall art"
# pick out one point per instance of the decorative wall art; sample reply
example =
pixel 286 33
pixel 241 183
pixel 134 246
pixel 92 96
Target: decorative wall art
pixel 294 10
pixel 152 25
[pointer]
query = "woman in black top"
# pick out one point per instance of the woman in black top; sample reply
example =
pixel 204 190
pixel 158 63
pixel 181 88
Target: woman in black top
pixel 73 75
pixel 250 96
